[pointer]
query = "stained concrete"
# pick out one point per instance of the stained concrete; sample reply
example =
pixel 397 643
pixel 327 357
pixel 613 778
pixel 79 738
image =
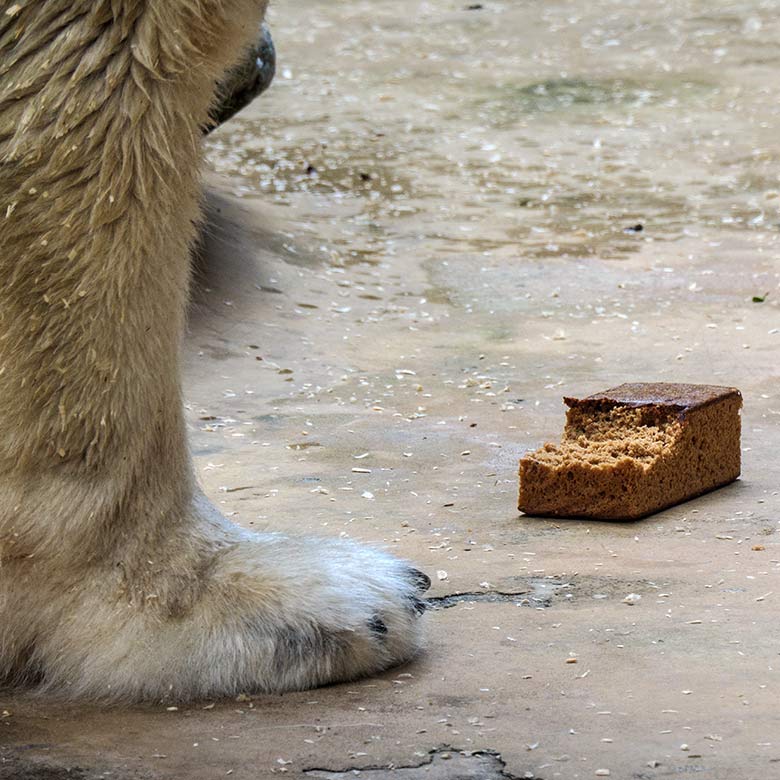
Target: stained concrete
pixel 419 240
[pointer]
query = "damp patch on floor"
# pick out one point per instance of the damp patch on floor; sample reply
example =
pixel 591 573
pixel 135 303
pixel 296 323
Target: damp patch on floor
pixel 441 764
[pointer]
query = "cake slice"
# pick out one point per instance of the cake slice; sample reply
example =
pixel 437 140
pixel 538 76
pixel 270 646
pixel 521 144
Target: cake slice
pixel 634 450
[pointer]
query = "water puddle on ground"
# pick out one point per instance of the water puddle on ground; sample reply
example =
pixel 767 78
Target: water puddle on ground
pixel 536 132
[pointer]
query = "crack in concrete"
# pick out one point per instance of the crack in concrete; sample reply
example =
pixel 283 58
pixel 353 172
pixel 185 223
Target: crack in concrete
pixel 442 763
pixel 535 592
pixel 543 592
pixel 15 767
pixel 489 596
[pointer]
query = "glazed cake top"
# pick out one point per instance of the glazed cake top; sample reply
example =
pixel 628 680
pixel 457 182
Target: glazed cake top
pixel 680 397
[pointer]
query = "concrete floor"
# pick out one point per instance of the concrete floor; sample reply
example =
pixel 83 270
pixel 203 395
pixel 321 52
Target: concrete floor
pixel 417 244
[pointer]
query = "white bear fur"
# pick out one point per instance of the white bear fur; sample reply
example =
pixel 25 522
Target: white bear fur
pixel 118 580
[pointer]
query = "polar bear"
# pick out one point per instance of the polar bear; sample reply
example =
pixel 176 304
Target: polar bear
pixel 118 579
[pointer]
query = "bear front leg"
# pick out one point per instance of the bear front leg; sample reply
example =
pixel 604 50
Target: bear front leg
pixel 117 579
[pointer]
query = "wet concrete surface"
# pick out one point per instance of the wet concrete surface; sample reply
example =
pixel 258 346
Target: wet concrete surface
pixel 418 241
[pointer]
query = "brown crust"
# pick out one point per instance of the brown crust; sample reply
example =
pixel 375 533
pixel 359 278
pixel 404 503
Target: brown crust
pixel 628 517
pixel 674 397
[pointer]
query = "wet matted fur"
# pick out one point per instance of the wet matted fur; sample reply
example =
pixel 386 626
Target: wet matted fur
pixel 118 580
